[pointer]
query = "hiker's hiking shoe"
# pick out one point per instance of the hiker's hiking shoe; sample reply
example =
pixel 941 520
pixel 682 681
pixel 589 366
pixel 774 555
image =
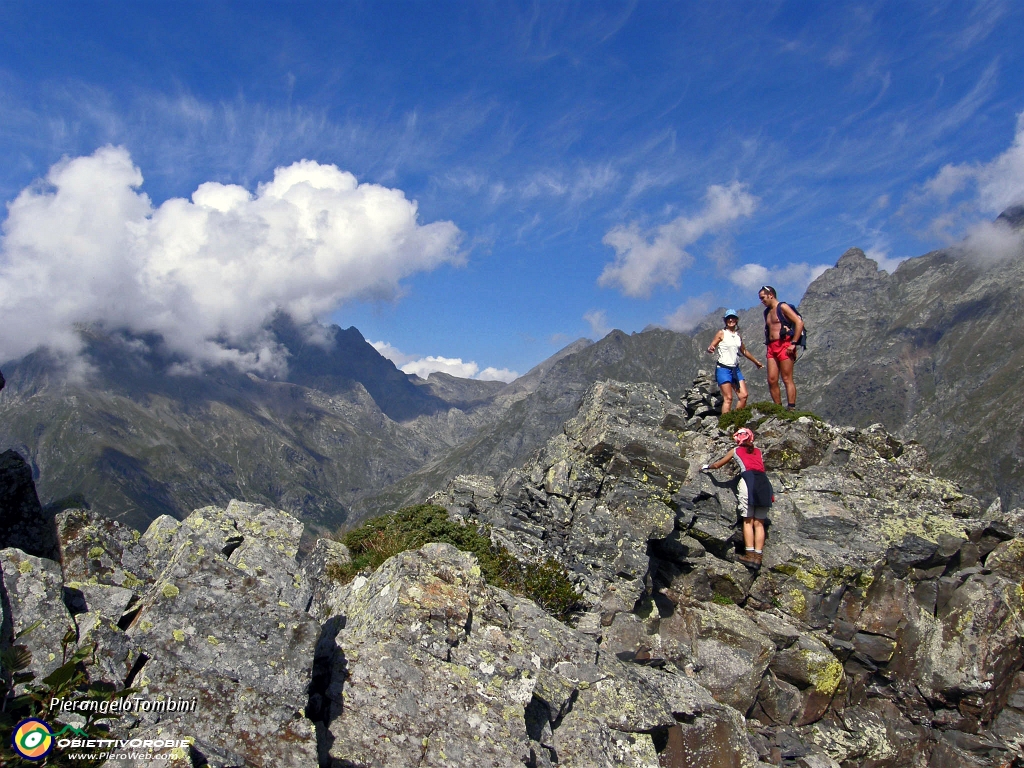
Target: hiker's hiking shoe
pixel 751 559
pixel 791 406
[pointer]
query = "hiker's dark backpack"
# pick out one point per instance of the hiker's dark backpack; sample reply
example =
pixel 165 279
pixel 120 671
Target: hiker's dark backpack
pixel 787 327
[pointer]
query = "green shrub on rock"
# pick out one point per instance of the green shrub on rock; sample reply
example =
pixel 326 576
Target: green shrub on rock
pixel 383 537
pixel 745 417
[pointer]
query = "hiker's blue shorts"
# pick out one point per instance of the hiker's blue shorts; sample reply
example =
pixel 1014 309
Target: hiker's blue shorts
pixel 726 375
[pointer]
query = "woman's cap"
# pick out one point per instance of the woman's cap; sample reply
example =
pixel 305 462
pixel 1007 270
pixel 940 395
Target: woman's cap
pixel 730 313
pixel 743 436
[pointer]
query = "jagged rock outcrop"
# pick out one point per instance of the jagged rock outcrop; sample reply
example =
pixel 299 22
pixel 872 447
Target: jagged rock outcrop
pixel 210 610
pixel 23 523
pixel 911 350
pixel 884 625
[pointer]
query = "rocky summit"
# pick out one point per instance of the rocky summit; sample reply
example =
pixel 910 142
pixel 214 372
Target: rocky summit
pixel 883 628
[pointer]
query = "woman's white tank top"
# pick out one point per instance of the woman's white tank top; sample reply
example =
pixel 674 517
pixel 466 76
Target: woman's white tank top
pixel 729 348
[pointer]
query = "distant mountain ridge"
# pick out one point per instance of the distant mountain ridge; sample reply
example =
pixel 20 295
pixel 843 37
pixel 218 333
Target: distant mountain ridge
pixel 913 351
pixel 137 441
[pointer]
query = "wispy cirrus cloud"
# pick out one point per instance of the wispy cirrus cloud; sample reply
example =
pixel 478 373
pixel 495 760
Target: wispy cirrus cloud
pixel 647 259
pixel 688 314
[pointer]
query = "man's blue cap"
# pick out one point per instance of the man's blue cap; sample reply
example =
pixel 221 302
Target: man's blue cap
pixel 730 313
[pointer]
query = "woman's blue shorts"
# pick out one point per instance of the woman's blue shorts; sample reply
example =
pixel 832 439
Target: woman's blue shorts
pixel 725 375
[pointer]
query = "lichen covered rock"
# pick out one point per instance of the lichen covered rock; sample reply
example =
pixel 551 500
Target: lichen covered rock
pixel 438 668
pixel 880 582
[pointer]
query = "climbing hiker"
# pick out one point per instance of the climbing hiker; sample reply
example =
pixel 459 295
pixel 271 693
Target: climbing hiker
pixel 727 371
pixel 783 331
pixel 754 494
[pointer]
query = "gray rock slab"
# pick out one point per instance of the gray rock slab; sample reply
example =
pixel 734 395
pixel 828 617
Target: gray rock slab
pixel 32 587
pixel 436 660
pixel 220 633
pixel 24 524
pixel 316 574
pixel 97 550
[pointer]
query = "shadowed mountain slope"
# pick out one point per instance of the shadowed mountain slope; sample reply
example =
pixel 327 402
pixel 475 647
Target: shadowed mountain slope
pixel 137 441
pixel 668 359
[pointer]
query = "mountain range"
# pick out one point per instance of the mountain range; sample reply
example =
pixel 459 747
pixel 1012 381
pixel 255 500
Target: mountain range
pixel 932 351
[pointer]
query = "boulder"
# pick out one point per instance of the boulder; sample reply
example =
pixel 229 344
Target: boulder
pixel 221 633
pixel 97 550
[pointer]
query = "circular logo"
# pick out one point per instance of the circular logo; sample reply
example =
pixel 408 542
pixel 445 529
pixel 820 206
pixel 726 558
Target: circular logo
pixel 32 739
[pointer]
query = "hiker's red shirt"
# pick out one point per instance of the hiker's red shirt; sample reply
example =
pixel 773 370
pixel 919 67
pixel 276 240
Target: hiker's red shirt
pixel 749 458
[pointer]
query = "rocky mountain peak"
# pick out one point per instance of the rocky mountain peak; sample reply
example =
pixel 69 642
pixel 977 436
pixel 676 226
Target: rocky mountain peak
pixel 852 258
pixel 1014 216
pixel 849 621
pixel 853 272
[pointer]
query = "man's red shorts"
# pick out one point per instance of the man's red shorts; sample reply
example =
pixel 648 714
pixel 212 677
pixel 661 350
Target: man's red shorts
pixel 779 350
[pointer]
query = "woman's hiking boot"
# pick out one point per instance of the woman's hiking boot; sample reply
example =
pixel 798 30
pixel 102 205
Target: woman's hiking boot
pixel 751 559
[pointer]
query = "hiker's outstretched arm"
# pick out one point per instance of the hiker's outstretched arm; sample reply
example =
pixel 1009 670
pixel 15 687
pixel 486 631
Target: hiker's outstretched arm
pixel 716 341
pixel 750 357
pixel 723 461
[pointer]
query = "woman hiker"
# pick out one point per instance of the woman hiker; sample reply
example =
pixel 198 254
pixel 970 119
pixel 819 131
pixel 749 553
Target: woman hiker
pixel 727 372
pixel 754 494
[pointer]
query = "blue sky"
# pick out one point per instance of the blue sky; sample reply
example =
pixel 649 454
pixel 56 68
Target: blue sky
pixel 575 167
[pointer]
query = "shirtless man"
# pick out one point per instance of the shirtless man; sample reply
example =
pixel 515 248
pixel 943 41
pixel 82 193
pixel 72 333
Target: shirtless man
pixel 780 342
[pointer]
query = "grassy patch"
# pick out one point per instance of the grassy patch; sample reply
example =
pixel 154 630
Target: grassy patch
pixel 755 415
pixel 383 537
pixel 723 600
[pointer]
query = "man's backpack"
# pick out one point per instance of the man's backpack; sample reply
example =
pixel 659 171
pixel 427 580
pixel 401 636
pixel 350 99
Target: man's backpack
pixel 787 327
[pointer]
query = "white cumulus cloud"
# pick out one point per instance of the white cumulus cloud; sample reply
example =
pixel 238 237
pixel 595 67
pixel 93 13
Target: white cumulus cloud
pixel 393 354
pixel 497 374
pixel 87 246
pixel 880 255
pixel 969 195
pixel 750 276
pixel 646 259
pixel 792 278
pixel 993 241
pixel 423 366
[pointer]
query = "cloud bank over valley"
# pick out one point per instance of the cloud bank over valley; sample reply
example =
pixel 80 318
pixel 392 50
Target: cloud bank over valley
pixel 85 246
